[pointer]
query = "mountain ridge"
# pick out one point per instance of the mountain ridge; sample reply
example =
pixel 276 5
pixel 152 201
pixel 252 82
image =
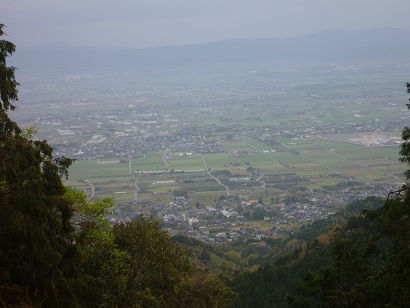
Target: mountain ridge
pixel 322 46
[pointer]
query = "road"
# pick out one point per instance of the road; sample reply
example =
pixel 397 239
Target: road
pixel 228 192
pixel 134 177
pixel 92 190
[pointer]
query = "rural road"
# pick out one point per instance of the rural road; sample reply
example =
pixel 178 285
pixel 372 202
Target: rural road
pixel 134 177
pixel 216 179
pixel 92 190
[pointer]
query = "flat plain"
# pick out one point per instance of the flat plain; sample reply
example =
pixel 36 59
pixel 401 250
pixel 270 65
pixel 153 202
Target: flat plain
pixel 255 130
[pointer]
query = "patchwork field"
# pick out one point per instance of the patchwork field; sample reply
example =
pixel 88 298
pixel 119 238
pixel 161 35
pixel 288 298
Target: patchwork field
pixel 257 129
pixel 248 167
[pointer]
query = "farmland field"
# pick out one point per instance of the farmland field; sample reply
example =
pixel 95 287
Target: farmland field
pixel 316 164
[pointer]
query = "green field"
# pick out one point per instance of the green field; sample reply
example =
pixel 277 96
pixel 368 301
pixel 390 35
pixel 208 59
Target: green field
pixel 186 163
pixel 150 161
pixel 309 163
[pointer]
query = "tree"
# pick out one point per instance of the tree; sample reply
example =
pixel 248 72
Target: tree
pixel 156 266
pixel 148 270
pixel 390 244
pixel 98 254
pixel 38 260
pixel 234 256
pixel 405 146
pixel 202 290
pixel 8 83
pixel 393 225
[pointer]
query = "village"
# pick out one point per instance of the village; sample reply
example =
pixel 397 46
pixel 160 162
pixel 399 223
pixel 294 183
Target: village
pixel 105 135
pixel 236 216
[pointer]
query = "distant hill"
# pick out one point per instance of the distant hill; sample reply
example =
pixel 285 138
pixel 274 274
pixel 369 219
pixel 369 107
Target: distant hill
pixel 336 45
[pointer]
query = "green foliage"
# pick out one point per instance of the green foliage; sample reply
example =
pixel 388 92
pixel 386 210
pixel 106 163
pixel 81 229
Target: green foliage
pixel 234 256
pixel 99 256
pixel 207 256
pixel 203 290
pixel 390 244
pixel 405 146
pixel 8 83
pixel 38 260
pixel 141 240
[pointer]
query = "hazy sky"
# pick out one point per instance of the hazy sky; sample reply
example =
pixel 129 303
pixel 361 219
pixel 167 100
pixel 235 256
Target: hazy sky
pixel 147 23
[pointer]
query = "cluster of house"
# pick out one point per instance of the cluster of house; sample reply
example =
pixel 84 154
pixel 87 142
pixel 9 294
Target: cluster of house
pixel 230 217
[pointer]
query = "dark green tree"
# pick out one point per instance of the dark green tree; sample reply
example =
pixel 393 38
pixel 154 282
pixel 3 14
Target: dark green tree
pixel 149 270
pixel 155 265
pixel 405 146
pixel 392 236
pixel 202 290
pixel 341 284
pixel 37 254
pixel 391 245
pixel 98 253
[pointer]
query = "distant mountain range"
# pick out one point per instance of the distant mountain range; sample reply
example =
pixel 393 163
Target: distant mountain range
pixel 333 45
